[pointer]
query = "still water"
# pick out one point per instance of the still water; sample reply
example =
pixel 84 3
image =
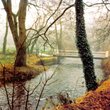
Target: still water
pixel 66 77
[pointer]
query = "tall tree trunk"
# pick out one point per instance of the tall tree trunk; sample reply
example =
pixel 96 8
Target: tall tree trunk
pixel 83 48
pixel 33 45
pixel 11 20
pixel 59 39
pixel 5 39
pixel 21 56
pixel 21 49
pixel 18 31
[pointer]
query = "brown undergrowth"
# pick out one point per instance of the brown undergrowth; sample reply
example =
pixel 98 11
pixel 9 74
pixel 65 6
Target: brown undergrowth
pixel 93 100
pixel 9 73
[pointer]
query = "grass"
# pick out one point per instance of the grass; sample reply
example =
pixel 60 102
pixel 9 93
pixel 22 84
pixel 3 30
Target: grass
pixel 5 59
pixel 31 59
pixel 44 61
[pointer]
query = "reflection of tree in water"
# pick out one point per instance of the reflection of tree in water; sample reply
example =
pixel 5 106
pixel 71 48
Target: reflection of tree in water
pixel 20 96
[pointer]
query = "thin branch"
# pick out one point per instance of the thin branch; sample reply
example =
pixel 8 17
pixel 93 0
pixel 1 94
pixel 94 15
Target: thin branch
pixel 58 18
pixel 42 90
pixel 105 5
pixel 95 4
pixel 27 99
pixel 52 14
pixel 36 87
pixel 46 40
pixel 4 83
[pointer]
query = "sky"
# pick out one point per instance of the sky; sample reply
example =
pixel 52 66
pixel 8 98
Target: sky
pixel 90 15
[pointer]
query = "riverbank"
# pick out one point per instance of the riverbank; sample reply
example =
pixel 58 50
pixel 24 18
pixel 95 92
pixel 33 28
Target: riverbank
pixel 93 100
pixel 35 66
pixel 106 68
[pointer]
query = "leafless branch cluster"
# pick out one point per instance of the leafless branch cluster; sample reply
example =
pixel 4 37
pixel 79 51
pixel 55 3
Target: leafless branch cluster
pixel 38 33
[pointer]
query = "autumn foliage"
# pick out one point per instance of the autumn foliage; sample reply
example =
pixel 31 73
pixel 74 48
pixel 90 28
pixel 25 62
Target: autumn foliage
pixel 93 100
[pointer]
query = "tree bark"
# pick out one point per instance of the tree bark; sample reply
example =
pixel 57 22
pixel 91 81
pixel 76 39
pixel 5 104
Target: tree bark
pixel 21 49
pixel 83 47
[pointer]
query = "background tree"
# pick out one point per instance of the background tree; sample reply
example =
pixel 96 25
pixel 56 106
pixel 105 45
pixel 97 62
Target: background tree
pixel 5 39
pixel 102 32
pixel 17 26
pixel 83 47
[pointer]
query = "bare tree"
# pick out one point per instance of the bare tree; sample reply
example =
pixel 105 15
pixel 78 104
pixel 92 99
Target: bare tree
pixel 17 26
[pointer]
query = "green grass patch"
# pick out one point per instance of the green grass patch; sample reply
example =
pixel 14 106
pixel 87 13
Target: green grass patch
pixel 5 59
pixel 36 60
pixel 47 61
pixel 31 59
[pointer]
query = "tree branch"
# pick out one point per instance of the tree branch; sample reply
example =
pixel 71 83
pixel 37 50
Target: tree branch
pixel 58 18
pixel 95 4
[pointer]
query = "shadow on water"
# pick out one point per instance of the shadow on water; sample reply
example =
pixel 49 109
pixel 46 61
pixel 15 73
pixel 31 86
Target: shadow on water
pixel 19 96
pixel 13 96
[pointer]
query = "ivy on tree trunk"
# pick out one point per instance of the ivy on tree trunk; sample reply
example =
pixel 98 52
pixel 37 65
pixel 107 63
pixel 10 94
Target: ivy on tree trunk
pixel 83 47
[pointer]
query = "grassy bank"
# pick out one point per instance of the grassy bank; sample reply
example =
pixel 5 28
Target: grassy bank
pixel 35 66
pixel 36 60
pixel 31 59
pixel 10 74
